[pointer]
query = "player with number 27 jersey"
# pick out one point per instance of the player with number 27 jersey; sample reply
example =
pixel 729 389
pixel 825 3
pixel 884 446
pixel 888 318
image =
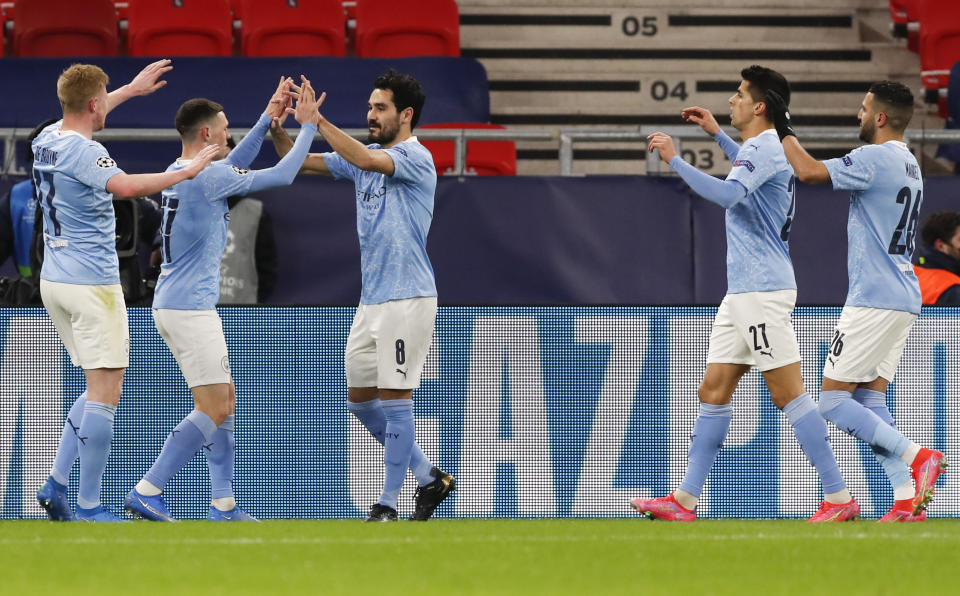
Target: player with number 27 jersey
pixel 881 227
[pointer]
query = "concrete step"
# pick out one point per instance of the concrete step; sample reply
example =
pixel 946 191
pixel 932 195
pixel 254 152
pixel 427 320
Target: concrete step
pixel 863 61
pixel 663 93
pixel 651 27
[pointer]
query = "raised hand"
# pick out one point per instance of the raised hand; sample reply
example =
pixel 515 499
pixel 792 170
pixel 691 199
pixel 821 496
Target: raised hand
pixel 147 80
pixel 662 143
pixel 778 112
pixel 202 160
pixel 703 117
pixel 280 100
pixel 307 104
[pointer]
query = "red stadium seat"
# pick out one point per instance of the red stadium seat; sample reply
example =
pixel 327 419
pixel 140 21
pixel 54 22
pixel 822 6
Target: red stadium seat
pixel 387 29
pixel 293 28
pixel 47 28
pixel 180 28
pixel 939 47
pixel 905 15
pixel 484 158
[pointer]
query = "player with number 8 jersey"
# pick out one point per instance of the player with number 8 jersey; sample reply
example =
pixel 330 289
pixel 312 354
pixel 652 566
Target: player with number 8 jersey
pixel 394 182
pixel 883 299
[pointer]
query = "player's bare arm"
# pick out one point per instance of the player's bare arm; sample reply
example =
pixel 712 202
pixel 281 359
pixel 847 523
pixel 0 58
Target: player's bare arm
pixel 127 186
pixel 146 82
pixel 703 118
pixel 314 164
pixel 352 150
pixel 807 169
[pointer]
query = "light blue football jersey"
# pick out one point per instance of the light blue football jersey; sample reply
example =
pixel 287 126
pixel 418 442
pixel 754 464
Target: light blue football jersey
pixel 882 224
pixel 758 226
pixel 196 216
pixel 393 219
pixel 193 235
pixel 71 174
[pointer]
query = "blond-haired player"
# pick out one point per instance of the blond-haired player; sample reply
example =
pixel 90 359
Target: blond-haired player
pixel 75 179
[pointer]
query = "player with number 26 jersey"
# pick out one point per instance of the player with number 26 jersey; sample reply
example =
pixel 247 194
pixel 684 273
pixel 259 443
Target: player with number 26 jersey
pixel 883 299
pixel 881 227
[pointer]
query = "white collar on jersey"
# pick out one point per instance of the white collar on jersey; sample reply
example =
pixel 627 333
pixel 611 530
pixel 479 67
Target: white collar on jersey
pixel 769 131
pixel 899 144
pixel 407 140
pixel 62 132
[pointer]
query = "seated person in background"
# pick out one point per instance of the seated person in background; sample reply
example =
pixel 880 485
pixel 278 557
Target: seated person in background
pixel 938 268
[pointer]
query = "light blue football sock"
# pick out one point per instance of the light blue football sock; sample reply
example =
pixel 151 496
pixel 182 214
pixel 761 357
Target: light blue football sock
pixel 221 455
pixel 811 431
pixel 96 431
pixel 896 469
pixel 399 439
pixel 179 448
pixel 854 419
pixel 69 446
pixel 709 431
pixel 370 414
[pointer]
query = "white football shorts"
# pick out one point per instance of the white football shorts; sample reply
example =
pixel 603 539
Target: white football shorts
pixel 867 343
pixel 195 337
pixel 388 343
pixel 91 322
pixel 754 328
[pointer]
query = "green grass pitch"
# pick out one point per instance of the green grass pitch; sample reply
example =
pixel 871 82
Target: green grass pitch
pixel 568 556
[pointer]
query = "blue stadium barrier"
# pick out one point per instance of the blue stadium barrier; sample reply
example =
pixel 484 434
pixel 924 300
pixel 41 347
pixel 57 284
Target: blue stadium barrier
pixel 539 411
pixel 456 90
pixel 552 240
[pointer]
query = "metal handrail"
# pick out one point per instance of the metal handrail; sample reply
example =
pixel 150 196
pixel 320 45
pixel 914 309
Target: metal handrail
pixel 459 136
pixel 568 137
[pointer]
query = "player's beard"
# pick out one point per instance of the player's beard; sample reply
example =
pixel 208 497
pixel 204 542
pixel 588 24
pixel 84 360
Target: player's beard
pixel 383 134
pixel 868 130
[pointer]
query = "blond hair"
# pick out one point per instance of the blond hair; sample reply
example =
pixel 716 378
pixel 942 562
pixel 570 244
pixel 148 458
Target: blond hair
pixel 78 84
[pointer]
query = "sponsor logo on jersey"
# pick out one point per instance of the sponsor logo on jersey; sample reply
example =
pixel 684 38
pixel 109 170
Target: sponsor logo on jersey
pixel 240 171
pixel 847 161
pixel 744 163
pixel 106 163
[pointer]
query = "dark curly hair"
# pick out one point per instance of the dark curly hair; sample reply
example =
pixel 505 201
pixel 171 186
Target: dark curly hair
pixel 407 92
pixel 763 79
pixel 896 101
pixel 941 225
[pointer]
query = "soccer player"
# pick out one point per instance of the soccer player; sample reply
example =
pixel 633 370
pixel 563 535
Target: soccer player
pixel 194 235
pixel 395 180
pixel 75 179
pixel 752 326
pixel 883 299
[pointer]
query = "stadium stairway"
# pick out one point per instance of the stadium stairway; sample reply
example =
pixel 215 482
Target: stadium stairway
pixel 630 63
